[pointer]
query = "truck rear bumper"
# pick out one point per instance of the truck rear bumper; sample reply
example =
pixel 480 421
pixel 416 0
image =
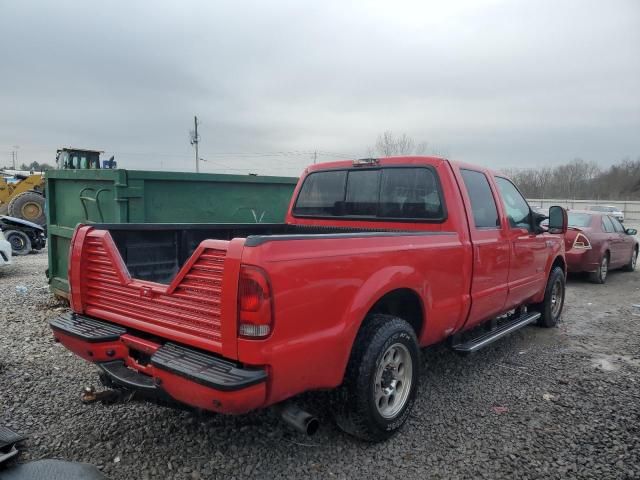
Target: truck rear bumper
pixel 192 377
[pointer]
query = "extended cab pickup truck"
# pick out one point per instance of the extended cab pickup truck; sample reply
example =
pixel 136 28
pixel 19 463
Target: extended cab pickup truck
pixel 376 258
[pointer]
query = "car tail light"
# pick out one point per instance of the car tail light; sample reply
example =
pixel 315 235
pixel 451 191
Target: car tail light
pixel 581 242
pixel 255 317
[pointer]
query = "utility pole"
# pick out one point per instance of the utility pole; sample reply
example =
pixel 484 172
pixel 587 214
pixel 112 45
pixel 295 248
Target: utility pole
pixel 315 157
pixel 15 155
pixel 195 139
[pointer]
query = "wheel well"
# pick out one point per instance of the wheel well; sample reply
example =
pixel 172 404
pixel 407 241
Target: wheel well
pixel 403 303
pixel 559 262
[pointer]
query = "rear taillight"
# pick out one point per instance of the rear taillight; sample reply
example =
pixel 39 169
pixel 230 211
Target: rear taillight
pixel 581 242
pixel 255 317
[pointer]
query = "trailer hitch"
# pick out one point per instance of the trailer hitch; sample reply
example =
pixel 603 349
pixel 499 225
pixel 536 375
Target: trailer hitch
pixel 106 397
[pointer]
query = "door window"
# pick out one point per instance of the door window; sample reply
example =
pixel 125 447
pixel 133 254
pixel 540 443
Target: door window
pixel 517 208
pixel 483 205
pixel 607 224
pixel 617 225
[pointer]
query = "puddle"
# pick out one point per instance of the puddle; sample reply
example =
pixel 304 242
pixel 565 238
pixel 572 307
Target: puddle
pixel 612 363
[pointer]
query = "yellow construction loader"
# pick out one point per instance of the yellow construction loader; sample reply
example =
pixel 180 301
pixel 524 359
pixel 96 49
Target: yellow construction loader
pixel 22 195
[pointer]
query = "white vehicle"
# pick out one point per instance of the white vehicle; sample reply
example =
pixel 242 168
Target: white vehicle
pixel 610 209
pixel 5 251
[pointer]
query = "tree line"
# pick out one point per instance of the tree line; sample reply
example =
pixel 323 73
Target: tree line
pixel 576 180
pixel 580 180
pixel 36 167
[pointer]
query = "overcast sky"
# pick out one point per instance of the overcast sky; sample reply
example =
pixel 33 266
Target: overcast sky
pixel 503 84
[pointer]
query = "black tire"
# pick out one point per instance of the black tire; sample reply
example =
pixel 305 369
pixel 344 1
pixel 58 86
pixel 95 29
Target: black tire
pixel 600 275
pixel 551 306
pixel 631 266
pixel 20 243
pixel 357 403
pixel 28 206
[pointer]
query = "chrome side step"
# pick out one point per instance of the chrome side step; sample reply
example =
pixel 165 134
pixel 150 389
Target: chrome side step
pixel 477 343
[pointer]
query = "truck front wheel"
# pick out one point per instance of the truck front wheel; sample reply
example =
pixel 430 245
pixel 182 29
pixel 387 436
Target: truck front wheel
pixel 381 381
pixel 551 307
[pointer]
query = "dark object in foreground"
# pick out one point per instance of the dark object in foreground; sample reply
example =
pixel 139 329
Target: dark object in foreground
pixel 8 441
pixel 53 470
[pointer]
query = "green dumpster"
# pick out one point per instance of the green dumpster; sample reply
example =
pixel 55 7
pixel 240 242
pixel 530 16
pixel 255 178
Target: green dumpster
pixel 137 196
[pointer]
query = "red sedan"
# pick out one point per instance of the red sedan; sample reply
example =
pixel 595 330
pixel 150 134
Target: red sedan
pixel 597 243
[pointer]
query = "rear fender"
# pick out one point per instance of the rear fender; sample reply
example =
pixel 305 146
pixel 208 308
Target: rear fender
pixel 377 286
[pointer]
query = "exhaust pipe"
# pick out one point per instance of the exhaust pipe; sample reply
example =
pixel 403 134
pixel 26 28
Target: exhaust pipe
pixel 297 418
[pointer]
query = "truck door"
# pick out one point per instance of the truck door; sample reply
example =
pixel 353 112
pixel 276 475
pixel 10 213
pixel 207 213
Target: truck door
pixel 527 270
pixel 490 248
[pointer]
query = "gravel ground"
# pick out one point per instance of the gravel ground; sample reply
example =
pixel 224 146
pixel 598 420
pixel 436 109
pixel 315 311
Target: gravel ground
pixel 558 403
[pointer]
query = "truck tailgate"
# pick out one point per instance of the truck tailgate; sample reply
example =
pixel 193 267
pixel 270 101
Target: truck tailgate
pixel 198 307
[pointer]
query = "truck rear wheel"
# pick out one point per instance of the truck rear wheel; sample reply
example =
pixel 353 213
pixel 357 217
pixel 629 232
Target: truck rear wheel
pixel 381 381
pixel 551 306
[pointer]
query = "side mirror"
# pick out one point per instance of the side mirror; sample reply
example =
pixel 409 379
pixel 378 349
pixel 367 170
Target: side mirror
pixel 631 231
pixel 558 220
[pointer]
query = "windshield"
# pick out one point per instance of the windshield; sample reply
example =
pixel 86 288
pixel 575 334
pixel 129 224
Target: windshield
pixel 579 219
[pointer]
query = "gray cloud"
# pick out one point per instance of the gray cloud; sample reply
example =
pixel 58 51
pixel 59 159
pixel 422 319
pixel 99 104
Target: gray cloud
pixel 497 83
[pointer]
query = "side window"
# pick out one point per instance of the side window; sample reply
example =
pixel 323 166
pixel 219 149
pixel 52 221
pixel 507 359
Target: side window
pixel 607 224
pixel 617 225
pixel 516 206
pixel 485 212
pixel 410 193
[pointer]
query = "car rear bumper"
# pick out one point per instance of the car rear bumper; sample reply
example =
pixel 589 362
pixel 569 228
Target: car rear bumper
pixel 581 261
pixel 189 376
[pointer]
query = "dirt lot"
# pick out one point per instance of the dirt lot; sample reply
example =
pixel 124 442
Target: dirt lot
pixel 559 403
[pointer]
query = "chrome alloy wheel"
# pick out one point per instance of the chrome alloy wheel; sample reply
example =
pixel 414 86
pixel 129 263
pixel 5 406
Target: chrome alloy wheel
pixel 393 380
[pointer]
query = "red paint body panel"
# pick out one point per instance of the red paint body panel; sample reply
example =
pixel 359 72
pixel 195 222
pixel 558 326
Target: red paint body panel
pixel 322 289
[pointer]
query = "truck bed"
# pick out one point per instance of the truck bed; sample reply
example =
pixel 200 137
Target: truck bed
pixel 156 252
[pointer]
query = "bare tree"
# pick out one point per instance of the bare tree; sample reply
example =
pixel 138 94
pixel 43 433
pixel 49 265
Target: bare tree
pixel 580 179
pixel 390 145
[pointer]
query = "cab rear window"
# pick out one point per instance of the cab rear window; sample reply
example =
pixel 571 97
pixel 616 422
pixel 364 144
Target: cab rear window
pixel 406 193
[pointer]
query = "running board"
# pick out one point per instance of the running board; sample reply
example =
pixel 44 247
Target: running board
pixel 477 343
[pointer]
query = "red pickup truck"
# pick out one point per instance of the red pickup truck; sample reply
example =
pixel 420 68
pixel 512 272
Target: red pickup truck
pixel 376 258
